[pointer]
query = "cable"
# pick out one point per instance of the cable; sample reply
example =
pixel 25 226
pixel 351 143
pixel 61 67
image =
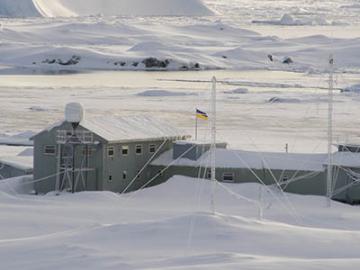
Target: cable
pixel 238 196
pixel 162 171
pixel 262 182
pixel 267 167
pixel 144 167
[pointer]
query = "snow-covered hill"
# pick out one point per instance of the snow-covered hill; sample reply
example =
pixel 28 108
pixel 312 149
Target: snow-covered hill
pixel 94 43
pixel 68 8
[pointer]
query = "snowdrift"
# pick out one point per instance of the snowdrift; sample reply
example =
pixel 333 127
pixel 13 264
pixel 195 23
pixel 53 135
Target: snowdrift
pixel 289 20
pixel 69 8
pixel 169 227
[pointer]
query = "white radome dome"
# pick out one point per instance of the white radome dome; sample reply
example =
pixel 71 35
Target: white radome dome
pixel 74 112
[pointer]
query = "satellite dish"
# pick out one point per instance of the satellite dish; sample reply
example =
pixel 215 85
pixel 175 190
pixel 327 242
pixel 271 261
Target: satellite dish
pixel 74 113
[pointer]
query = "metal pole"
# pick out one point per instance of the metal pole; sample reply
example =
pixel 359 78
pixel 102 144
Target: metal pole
pixel 58 169
pixel 73 140
pixel 260 202
pixel 87 165
pixel 196 127
pixel 329 180
pixel 73 170
pixel 213 144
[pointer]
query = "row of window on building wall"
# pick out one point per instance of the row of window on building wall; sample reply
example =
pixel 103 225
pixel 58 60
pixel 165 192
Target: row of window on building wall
pixel 125 150
pixel 228 177
pixel 51 150
pixel 124 177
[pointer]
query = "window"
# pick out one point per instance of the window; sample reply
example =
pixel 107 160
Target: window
pixel 111 151
pixel 110 179
pixel 125 150
pixel 124 175
pixel 152 148
pixel 87 151
pixel 138 149
pixel 49 150
pixel 228 177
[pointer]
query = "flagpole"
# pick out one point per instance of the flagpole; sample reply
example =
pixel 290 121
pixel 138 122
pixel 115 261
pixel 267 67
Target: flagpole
pixel 213 145
pixel 329 178
pixel 196 126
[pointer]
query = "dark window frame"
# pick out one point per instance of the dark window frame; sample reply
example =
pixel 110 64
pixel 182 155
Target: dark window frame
pixel 47 153
pixel 110 178
pixel 152 148
pixel 137 147
pixel 208 174
pixel 124 148
pixel 109 150
pixel 88 151
pixel 226 175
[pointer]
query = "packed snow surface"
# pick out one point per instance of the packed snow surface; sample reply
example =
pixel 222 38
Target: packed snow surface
pixel 170 227
pixel 68 8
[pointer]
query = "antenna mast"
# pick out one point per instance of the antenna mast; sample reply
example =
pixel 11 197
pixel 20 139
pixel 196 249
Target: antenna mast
pixel 213 144
pixel 329 180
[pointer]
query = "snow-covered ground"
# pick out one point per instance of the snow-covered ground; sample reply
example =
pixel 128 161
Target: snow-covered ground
pixel 98 43
pixel 206 41
pixel 277 102
pixel 264 104
pixel 170 227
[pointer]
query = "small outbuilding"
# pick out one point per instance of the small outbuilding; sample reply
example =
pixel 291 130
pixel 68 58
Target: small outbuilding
pixel 15 166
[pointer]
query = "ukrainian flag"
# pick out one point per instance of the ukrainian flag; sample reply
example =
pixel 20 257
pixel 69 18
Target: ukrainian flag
pixel 201 115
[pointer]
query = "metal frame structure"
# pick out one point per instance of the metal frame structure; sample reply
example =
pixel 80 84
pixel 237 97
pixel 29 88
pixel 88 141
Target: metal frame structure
pixel 329 177
pixel 68 173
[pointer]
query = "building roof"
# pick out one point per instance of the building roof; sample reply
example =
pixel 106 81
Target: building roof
pixel 128 128
pixel 19 162
pixel 131 128
pixel 346 159
pixel 226 158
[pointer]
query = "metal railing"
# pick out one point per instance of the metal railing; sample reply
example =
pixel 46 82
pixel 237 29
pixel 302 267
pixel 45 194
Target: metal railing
pixel 80 137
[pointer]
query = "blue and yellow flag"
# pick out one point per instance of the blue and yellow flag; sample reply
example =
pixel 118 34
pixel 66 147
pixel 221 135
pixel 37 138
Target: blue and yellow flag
pixel 201 115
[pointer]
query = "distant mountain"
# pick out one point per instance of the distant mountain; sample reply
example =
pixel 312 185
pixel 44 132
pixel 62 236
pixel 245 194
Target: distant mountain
pixel 69 8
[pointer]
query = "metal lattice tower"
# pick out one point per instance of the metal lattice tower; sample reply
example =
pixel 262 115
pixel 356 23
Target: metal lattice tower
pixel 70 174
pixel 329 177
